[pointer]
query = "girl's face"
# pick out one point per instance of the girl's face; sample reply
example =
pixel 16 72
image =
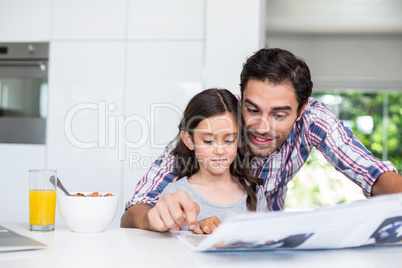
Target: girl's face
pixel 214 142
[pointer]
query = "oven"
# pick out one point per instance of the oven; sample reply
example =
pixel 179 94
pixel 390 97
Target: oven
pixel 23 92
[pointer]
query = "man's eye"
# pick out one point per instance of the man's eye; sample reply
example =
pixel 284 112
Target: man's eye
pixel 252 111
pixel 280 116
pixel 208 142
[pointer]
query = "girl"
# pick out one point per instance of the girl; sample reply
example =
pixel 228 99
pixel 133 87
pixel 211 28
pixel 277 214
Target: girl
pixel 212 162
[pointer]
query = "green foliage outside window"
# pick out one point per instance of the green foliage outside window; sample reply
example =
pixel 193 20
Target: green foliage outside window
pixel 374 105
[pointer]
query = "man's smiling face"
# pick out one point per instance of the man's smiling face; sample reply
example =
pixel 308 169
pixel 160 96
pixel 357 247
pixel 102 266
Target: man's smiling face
pixel 269 112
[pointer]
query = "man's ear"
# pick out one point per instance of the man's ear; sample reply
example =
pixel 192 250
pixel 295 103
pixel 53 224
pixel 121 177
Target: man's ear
pixel 187 139
pixel 302 111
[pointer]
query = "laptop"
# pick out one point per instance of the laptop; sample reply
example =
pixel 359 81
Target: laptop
pixel 11 241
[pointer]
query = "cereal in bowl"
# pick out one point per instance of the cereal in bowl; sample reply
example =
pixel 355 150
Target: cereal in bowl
pixel 94 194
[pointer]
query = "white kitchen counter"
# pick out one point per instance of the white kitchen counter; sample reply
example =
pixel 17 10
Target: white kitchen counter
pixel 118 247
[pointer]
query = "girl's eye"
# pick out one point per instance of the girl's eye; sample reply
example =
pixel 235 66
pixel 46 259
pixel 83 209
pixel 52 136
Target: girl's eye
pixel 229 141
pixel 208 142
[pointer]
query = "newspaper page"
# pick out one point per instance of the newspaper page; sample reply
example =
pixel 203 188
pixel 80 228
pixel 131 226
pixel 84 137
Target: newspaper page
pixel 377 220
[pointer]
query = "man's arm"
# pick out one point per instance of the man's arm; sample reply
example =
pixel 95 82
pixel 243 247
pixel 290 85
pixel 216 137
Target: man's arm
pixel 387 183
pixel 136 217
pixel 172 211
pixel 343 150
pixel 161 174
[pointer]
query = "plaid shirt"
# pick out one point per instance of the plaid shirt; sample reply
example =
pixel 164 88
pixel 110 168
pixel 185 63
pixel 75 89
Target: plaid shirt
pixel 318 127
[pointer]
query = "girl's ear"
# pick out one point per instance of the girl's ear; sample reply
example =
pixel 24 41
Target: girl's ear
pixel 187 139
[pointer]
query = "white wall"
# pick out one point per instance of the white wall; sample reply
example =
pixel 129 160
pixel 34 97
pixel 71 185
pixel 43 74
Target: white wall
pixel 346 43
pixel 366 62
pixel 120 73
pixel 341 16
pixel 235 30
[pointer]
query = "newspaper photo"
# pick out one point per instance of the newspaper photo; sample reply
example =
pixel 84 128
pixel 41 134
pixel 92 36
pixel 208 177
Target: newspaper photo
pixel 374 221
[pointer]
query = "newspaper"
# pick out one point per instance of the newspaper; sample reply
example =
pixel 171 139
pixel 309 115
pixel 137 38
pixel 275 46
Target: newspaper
pixel 374 221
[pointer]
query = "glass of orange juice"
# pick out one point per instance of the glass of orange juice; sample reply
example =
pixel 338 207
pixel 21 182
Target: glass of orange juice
pixel 42 199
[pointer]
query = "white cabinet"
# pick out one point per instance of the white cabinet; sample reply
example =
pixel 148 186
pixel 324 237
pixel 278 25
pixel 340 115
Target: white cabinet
pixel 161 78
pixel 162 19
pixel 89 19
pixel 15 161
pixel 25 20
pixel 86 84
pixel 233 33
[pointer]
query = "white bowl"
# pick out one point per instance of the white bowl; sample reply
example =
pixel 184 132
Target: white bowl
pixel 87 214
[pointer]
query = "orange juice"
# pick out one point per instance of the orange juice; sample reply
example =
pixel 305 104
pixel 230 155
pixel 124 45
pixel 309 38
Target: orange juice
pixel 42 207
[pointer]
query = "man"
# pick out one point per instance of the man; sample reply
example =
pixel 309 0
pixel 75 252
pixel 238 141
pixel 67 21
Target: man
pixel 283 124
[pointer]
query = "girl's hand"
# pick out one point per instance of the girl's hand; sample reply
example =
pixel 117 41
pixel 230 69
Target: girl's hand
pixel 207 225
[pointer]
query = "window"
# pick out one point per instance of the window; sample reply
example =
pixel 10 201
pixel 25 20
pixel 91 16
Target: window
pixel 376 120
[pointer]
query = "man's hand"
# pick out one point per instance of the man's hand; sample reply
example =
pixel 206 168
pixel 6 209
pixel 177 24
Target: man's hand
pixel 207 225
pixel 170 213
pixel 174 211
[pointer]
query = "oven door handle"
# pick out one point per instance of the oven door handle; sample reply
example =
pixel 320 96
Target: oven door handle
pixel 40 64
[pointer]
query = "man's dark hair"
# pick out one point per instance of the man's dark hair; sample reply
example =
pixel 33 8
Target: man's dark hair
pixel 278 66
